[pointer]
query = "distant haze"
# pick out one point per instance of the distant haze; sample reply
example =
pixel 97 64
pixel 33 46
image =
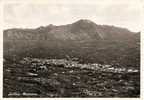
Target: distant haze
pixel 125 14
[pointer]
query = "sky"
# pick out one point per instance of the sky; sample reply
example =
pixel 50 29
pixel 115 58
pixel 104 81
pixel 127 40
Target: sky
pixel 124 13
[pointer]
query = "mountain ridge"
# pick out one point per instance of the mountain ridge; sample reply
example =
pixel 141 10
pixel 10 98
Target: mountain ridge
pixel 79 30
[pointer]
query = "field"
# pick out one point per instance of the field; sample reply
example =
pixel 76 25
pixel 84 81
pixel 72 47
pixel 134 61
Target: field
pixel 35 77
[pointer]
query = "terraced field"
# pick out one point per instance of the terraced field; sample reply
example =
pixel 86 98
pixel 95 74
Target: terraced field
pixel 32 77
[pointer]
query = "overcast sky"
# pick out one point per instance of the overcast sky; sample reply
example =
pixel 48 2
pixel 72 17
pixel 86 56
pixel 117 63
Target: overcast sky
pixel 30 15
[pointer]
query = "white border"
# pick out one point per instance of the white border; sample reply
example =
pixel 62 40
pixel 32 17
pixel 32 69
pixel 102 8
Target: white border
pixel 66 1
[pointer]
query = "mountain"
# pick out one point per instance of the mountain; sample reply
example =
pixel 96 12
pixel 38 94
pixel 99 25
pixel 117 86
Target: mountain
pixel 83 39
pixel 80 30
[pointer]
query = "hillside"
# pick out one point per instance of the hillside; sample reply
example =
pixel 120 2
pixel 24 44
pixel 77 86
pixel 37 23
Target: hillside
pixel 82 39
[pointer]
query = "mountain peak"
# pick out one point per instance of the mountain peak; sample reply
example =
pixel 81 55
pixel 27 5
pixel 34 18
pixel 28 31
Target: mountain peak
pixel 86 21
